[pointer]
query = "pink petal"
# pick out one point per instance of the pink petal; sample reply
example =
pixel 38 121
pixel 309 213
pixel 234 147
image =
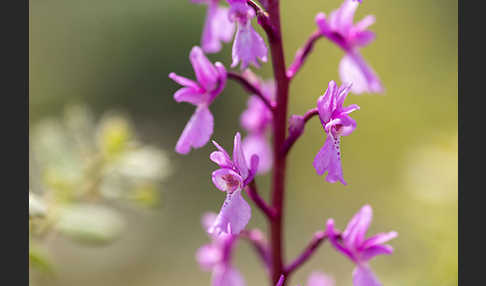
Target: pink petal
pixel 248 47
pixel 227 180
pixel 345 15
pixel 235 212
pixel 208 256
pixel 320 279
pixel 226 275
pixel 353 68
pixel 326 104
pixel 190 95
pixel 329 159
pixel 222 159
pixel 379 238
pixel 373 251
pixel 183 80
pixel 355 231
pixel 239 157
pixel 208 219
pixel 217 28
pixel 206 73
pixel 197 131
pixel 363 276
pixel 257 144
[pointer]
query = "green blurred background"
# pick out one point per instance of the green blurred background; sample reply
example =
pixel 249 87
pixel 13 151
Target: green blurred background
pixel 402 158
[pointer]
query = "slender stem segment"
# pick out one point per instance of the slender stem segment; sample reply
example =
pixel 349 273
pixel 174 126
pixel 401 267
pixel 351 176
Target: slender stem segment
pixel 289 142
pixel 252 192
pixel 248 86
pixel 317 240
pixel 302 54
pixel 279 130
pixel 255 237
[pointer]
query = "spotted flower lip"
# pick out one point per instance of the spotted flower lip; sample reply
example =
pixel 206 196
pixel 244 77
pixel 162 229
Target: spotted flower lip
pixel 217 27
pixel 211 80
pixel 353 244
pixel 336 122
pixel 340 29
pixel 233 175
pixel 248 46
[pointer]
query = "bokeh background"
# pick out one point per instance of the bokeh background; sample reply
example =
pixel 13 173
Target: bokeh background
pixel 402 158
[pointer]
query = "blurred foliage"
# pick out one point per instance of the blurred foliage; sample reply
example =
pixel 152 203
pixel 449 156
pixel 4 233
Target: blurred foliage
pixel 402 158
pixel 79 168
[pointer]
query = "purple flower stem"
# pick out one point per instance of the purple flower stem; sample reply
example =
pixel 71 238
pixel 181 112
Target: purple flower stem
pixel 302 54
pixel 260 247
pixel 289 142
pixel 279 131
pixel 262 17
pixel 250 88
pixel 252 192
pixel 317 240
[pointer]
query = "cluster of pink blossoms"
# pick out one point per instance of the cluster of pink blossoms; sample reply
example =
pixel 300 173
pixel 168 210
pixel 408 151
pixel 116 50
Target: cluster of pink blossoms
pixel 254 154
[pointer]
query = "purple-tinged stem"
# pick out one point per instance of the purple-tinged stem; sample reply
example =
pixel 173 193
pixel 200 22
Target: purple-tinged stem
pixel 302 54
pixel 256 239
pixel 279 131
pixel 289 142
pixel 248 86
pixel 262 17
pixel 317 240
pixel 252 192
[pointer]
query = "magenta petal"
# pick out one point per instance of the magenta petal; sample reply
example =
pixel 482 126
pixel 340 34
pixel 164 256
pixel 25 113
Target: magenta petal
pixel 320 279
pixel 326 104
pixel 197 131
pixel 208 219
pixel 217 28
pixel 239 157
pixel 248 47
pixel 379 238
pixel 345 16
pixel 257 144
pixel 235 212
pixel 353 68
pixel 355 231
pixel 221 159
pixel 208 256
pixel 328 159
pixel 206 73
pixel 363 276
pixel 190 95
pixel 373 251
pixel 227 180
pixel 183 80
pixel 226 275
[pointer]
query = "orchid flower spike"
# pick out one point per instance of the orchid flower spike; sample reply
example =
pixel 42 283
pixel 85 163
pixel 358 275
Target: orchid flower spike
pixel 339 28
pixel 233 175
pixel 211 80
pixel 248 45
pixel 217 28
pixel 336 122
pixel 360 250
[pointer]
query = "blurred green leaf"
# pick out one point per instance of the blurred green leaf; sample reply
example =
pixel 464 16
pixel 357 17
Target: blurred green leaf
pixel 90 224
